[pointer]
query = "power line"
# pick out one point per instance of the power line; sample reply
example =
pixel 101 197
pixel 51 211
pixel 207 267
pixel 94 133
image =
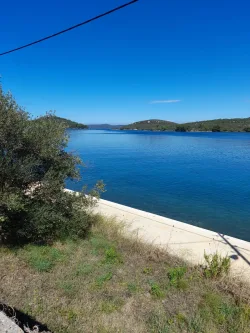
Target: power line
pixel 71 28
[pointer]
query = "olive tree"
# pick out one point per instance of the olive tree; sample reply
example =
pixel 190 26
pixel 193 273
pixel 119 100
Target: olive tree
pixel 33 168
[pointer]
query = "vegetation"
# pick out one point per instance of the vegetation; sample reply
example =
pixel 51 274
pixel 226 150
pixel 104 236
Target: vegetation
pixel 152 125
pixel 33 168
pixel 217 125
pixel 65 122
pixel 216 128
pixel 180 128
pixel 223 125
pixel 107 281
pixel 111 282
pixel 216 265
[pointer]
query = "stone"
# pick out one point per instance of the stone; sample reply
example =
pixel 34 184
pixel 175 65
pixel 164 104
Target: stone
pixel 7 325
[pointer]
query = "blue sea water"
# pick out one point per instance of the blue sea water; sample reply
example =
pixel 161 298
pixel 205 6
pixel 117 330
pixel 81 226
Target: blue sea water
pixel 199 178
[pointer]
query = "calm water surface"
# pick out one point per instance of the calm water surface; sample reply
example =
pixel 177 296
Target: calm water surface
pixel 198 178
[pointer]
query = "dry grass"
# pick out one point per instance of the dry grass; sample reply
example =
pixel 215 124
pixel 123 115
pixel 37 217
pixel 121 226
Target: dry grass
pixel 113 283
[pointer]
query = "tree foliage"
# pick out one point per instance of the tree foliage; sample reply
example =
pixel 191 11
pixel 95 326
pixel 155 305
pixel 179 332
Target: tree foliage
pixel 68 123
pixel 216 128
pixel 180 128
pixel 33 168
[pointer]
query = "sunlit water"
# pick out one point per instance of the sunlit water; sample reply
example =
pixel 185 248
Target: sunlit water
pixel 198 178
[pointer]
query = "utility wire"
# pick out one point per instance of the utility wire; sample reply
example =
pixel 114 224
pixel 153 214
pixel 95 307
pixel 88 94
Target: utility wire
pixel 71 28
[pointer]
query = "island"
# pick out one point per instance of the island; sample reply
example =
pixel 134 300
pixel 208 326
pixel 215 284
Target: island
pixel 216 125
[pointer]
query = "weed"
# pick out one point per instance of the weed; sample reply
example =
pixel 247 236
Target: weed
pixel 71 315
pixel 216 265
pixel 132 287
pixel 176 275
pixel 181 318
pixel 156 290
pixel 147 270
pixel 112 256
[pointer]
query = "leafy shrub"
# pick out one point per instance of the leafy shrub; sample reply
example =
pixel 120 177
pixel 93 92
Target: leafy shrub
pixel 112 256
pixel 176 275
pixel 216 265
pixel 33 168
pixel 156 290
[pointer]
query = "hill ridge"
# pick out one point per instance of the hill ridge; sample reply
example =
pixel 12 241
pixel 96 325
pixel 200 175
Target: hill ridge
pixel 215 125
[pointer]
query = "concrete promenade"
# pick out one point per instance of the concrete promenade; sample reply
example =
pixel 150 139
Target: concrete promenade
pixel 179 238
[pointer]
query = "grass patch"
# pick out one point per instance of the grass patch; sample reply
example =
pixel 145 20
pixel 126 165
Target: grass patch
pixel 84 269
pixel 110 306
pixel 113 283
pixel 42 258
pixel 100 281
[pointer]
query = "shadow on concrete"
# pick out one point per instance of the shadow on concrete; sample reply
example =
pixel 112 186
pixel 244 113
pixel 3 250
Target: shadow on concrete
pixel 235 249
pixel 22 319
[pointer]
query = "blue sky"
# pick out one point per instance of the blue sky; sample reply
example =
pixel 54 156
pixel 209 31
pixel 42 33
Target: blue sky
pixel 175 60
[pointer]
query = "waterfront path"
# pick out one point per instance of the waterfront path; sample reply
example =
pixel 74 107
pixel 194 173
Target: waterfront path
pixel 179 238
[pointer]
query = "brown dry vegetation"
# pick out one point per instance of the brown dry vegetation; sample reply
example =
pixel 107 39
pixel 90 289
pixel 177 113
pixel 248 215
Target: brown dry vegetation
pixel 111 283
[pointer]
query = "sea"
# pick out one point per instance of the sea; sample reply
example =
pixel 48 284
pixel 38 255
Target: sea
pixel 201 179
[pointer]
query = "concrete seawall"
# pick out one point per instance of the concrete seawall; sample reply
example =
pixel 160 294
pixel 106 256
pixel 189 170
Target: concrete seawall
pixel 179 238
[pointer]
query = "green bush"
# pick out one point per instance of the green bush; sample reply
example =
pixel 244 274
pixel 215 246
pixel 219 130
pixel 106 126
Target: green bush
pixel 156 290
pixel 33 168
pixel 216 265
pixel 176 275
pixel 112 256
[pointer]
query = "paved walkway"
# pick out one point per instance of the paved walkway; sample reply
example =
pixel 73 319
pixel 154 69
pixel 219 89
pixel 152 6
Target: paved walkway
pixel 179 238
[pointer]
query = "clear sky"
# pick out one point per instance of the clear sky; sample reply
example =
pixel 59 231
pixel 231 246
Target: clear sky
pixel 176 60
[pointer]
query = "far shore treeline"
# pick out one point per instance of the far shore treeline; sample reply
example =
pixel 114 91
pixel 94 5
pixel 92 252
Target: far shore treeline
pixel 216 125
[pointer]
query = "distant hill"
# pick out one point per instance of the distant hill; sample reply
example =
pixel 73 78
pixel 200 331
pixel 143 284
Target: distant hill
pixel 68 123
pixel 216 125
pixel 152 125
pixel 223 125
pixel 104 126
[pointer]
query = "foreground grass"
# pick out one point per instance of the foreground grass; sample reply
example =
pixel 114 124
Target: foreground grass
pixel 110 283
